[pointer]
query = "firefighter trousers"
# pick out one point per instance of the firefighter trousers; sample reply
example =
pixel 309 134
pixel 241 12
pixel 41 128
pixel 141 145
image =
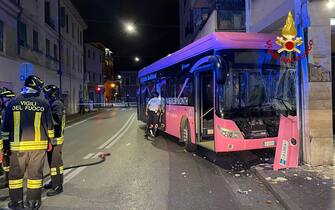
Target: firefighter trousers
pixel 5 166
pixel 55 161
pixel 33 163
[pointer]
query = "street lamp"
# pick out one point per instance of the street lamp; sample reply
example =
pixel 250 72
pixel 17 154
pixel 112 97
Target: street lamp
pixel 112 85
pixel 119 76
pixel 137 59
pixel 130 28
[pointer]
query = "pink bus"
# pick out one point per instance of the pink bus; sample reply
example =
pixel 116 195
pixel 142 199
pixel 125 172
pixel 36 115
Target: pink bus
pixel 225 92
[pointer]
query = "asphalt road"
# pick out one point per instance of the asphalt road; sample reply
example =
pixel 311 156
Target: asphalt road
pixel 156 174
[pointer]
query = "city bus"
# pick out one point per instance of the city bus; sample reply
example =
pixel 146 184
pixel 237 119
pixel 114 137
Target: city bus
pixel 224 92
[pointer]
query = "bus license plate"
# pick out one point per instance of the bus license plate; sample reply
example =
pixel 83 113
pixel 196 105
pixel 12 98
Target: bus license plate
pixel 269 143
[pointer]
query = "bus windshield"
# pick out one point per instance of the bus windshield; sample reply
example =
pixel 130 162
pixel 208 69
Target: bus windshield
pixel 256 85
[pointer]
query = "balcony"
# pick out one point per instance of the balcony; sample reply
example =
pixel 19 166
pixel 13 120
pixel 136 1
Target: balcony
pixel 231 20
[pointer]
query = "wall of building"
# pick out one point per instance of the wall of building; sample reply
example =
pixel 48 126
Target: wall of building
pixel 72 56
pixel 42 51
pixel 209 27
pixel 93 71
pixel 129 85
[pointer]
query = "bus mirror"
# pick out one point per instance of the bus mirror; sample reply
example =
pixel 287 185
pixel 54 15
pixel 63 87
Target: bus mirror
pixel 220 71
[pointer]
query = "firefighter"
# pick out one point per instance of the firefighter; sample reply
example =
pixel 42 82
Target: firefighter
pixel 52 94
pixel 5 96
pixel 26 131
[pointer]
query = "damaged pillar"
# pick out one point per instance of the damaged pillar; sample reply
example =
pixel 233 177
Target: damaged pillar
pixel 313 23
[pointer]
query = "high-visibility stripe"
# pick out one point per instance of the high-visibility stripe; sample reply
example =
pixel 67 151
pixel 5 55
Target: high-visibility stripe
pixel 53 171
pixel 15 184
pixel 37 126
pixel 61 169
pixel 1 144
pixel 5 135
pixel 29 145
pixel 34 184
pixel 17 120
pixel 51 134
pixel 63 124
pixel 6 169
pixel 59 140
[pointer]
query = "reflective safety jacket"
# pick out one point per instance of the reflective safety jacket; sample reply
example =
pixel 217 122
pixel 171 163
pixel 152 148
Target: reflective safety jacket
pixel 27 124
pixel 58 114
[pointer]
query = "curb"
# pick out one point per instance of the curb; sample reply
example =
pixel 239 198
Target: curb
pixel 280 195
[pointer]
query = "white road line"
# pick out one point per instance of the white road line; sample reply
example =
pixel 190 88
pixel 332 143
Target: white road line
pixel 67 171
pixel 88 156
pixel 75 124
pixel 80 122
pixel 124 131
pixel 109 143
pixel 73 174
pixel 113 137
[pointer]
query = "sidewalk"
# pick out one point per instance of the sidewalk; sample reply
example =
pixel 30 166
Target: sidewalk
pixel 304 188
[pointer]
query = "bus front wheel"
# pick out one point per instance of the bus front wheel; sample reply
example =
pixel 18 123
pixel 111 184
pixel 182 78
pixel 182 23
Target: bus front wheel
pixel 185 136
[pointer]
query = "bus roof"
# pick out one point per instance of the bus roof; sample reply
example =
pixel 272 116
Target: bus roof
pixel 214 41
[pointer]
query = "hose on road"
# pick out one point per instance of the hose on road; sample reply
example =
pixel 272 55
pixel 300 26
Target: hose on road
pixel 102 157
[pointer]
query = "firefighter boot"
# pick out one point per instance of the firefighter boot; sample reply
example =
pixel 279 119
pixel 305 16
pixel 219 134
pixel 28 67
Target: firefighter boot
pixel 48 186
pixel 33 204
pixel 57 190
pixel 16 205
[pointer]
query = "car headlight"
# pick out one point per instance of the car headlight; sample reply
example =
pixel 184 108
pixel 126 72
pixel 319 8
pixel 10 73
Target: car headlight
pixel 229 133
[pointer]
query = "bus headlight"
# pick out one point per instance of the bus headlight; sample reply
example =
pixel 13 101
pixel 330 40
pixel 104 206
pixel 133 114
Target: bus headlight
pixel 229 133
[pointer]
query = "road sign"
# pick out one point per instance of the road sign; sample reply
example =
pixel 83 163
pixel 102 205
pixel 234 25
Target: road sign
pixel 26 69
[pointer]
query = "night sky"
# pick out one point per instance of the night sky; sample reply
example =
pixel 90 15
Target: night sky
pixel 157 23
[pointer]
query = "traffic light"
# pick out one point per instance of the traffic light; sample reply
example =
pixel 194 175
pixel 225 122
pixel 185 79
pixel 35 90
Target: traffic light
pixel 98 89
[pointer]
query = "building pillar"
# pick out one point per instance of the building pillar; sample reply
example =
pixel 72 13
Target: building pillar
pixel 316 107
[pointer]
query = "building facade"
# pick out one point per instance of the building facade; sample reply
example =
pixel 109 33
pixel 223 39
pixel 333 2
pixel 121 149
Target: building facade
pixel 129 85
pixel 31 43
pixel 72 28
pixel 199 18
pixel 93 72
pixel 313 20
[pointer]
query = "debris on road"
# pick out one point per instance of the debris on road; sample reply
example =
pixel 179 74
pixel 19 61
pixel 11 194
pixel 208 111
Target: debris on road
pixel 237 175
pixel 183 173
pixel 246 192
pixel 308 178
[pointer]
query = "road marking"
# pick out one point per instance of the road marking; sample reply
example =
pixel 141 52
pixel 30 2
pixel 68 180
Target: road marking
pixel 73 174
pixel 75 124
pixel 81 122
pixel 115 135
pixel 124 131
pixel 109 143
pixel 88 156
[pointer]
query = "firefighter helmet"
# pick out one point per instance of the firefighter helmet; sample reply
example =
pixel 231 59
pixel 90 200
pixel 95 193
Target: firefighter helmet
pixel 51 92
pixel 6 93
pixel 34 82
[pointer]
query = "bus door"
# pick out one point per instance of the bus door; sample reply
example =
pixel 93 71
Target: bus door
pixel 205 108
